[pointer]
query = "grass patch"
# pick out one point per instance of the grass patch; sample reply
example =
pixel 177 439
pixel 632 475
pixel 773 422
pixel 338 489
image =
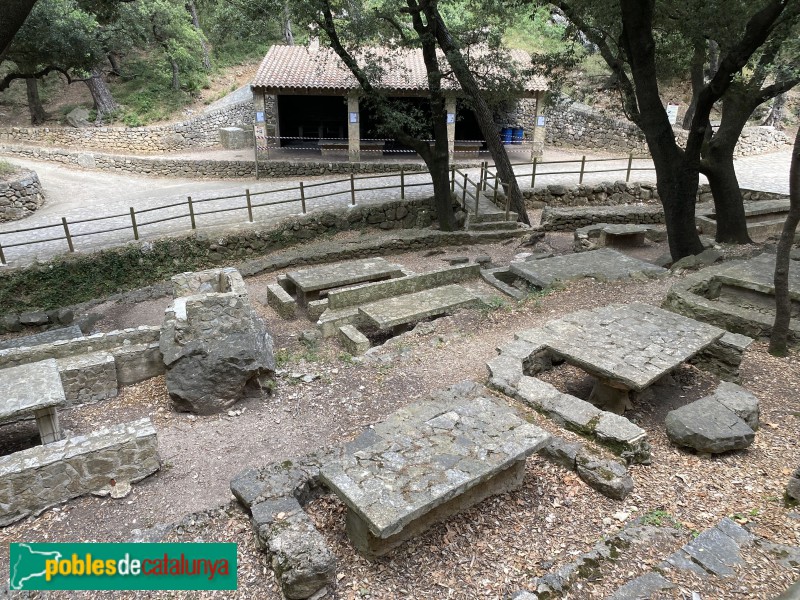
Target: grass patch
pixel 7 169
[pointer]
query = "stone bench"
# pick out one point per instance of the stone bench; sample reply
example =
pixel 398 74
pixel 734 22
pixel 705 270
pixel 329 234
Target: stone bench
pixel 314 282
pixel 88 377
pixel 355 342
pixel 279 299
pixel 37 478
pixel 33 390
pixel 401 310
pixel 333 147
pixel 428 461
pixel 467 149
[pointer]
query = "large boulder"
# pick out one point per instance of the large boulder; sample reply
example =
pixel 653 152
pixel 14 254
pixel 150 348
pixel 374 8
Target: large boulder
pixel 216 351
pixel 78 117
pixel 708 426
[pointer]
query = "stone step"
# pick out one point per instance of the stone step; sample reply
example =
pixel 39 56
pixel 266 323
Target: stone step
pixel 492 225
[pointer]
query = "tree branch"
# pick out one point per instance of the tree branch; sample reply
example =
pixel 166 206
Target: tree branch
pixel 6 81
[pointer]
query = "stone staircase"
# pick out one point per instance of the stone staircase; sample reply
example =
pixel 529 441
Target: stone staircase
pixel 490 217
pixel 663 560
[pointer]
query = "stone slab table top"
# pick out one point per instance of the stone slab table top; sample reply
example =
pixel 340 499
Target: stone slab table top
pixel 419 305
pixel 426 454
pixel 28 388
pixel 629 344
pixel 344 273
pixel 603 263
pixel 758 274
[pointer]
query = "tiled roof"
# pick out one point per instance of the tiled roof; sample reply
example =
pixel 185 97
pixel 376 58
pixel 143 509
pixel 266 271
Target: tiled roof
pixel 296 68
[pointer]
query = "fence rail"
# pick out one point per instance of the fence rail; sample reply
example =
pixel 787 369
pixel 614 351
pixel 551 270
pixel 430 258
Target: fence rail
pixel 469 191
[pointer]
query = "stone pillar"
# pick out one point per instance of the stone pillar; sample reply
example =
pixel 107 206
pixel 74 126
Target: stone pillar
pixel 450 109
pixel 537 137
pixel 353 128
pixel 47 421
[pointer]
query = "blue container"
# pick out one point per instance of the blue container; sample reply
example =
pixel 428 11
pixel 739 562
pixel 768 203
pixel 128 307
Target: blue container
pixel 506 134
pixel 518 135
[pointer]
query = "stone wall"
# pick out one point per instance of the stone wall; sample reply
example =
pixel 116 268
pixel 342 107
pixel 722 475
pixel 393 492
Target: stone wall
pixel 201 131
pixel 212 169
pixel 110 341
pixel 602 194
pixel 578 125
pixel 569 218
pixel 37 478
pixel 20 196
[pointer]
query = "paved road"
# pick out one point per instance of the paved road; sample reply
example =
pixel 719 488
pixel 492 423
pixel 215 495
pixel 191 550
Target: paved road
pixel 78 195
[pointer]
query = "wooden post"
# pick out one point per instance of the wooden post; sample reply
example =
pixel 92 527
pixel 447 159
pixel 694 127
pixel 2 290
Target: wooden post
pixel 496 183
pixel 249 205
pixel 133 222
pixel 477 195
pixel 630 164
pixel 66 233
pixel 2 256
pixel 583 168
pixel 303 197
pixel 402 183
pixel 191 213
pixel 464 193
pixel 533 171
pixel 352 189
pixel 452 179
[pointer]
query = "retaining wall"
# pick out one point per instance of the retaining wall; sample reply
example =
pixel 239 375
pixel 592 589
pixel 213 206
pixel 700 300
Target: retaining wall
pixel 578 125
pixel 20 196
pixel 37 478
pixel 201 131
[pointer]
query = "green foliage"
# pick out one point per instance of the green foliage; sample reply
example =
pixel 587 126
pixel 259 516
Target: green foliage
pixel 6 169
pixel 659 518
pixel 147 95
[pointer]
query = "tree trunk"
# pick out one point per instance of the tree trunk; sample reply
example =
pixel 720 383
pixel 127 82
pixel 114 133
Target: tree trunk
pixel 196 24
pixel 38 114
pixel 483 113
pixel 718 167
pixel 698 80
pixel 677 172
pixel 104 102
pixel 176 81
pixel 775 116
pixel 288 36
pixel 113 60
pixel 778 341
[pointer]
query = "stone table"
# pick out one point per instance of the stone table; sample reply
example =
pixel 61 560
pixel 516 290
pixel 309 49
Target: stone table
pixel 627 347
pixel 426 462
pixel 310 282
pixel 33 389
pixel 407 308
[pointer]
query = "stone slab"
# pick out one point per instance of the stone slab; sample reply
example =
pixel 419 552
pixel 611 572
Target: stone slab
pixel 327 277
pixel 391 312
pixel 370 292
pixel 604 264
pixel 631 345
pixel 739 401
pixel 28 388
pixel 45 337
pixel 707 426
pixel 426 454
pixel 642 588
pixel 355 342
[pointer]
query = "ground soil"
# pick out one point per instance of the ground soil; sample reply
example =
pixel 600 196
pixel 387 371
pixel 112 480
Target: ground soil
pixel 488 551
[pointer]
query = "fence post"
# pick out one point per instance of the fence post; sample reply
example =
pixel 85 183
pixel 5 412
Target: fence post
pixel 303 197
pixel 402 183
pixel 533 171
pixel 2 256
pixel 452 179
pixel 133 222
pixel 352 189
pixel 480 178
pixel 191 213
pixel 464 192
pixel 477 196
pixel 630 164
pixel 249 205
pixel 496 183
pixel 583 168
pixel 66 233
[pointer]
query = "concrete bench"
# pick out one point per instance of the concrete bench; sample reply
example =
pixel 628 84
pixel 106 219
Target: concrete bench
pixel 428 461
pixel 401 310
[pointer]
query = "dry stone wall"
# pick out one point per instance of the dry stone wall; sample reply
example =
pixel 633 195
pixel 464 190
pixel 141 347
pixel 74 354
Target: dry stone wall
pixel 20 196
pixel 578 125
pixel 201 131
pixel 212 169
pixel 37 478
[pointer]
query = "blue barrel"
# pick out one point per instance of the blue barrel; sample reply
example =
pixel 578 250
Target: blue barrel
pixel 518 134
pixel 506 134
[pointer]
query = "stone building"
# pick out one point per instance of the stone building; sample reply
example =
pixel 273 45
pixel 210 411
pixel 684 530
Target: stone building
pixel 305 98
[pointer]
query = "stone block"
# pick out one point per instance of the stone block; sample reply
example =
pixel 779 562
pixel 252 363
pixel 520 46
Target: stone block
pixel 609 477
pixel 281 301
pixel 354 342
pixel 37 478
pixel 648 585
pixel 301 560
pixel 138 362
pixel 88 377
pixel 235 138
pixel 626 439
pixel 561 452
pixel 740 401
pixel 316 308
pixel 45 337
pixel 34 318
pixel 707 426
